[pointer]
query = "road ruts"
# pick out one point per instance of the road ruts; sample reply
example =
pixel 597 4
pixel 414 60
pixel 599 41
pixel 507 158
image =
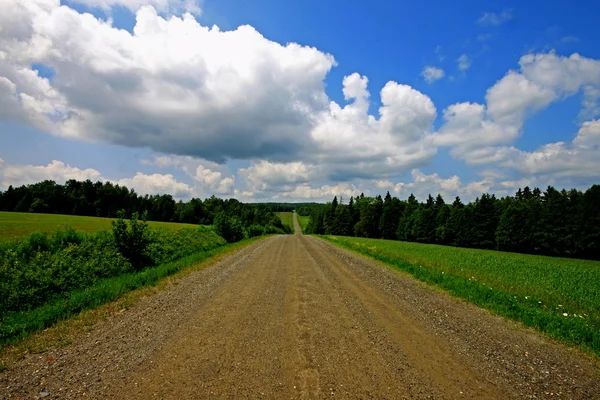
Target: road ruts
pixel 297 318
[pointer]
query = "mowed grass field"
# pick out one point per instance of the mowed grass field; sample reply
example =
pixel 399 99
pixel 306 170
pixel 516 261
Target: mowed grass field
pixel 17 225
pixel 286 219
pixel 558 296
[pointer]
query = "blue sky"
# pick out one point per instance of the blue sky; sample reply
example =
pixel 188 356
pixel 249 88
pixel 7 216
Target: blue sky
pixel 482 96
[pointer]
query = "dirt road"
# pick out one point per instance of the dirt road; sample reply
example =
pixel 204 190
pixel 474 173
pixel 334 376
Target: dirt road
pixel 294 317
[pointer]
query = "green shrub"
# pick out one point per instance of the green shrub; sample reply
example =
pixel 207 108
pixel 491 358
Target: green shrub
pixel 229 228
pixel 133 239
pixel 206 228
pixel 274 230
pixel 169 245
pixel 255 230
pixel 35 243
pixel 42 268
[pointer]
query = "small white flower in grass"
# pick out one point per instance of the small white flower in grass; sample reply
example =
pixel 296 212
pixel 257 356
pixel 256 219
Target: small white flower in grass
pixel 526 297
pixel 565 314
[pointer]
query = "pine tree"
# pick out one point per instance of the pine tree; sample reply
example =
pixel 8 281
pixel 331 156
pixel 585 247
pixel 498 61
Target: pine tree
pixel 553 234
pixel 453 224
pixel 343 221
pixel 354 214
pixel 404 231
pixel 443 213
pixel 590 227
pixel 485 219
pixel 518 229
pixel 390 217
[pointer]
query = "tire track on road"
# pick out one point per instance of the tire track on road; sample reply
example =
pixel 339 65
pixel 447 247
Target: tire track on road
pixel 423 351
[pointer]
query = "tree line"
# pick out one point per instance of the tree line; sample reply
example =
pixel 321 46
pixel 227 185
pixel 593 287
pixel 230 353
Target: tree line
pixel 555 223
pixel 303 209
pixel 104 199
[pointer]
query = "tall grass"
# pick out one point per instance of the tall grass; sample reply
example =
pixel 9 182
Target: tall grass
pixel 558 296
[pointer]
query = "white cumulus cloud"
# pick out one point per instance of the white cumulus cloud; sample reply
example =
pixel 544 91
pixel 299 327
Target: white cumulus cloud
pixel 57 171
pixel 306 192
pixel 208 177
pixel 432 74
pixel 423 185
pixel 481 134
pixel 558 161
pixel 156 184
pixel 173 85
pixel 264 175
pixel 352 143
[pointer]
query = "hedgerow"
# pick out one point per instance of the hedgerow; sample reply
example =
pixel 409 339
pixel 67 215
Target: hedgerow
pixel 43 268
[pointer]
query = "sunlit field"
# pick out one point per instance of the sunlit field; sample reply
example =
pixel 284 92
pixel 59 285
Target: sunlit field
pixel 15 225
pixel 286 219
pixel 303 221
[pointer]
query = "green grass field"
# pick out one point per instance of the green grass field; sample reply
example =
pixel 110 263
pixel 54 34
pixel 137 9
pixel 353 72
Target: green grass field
pixel 16 225
pixel 286 219
pixel 303 221
pixel 558 296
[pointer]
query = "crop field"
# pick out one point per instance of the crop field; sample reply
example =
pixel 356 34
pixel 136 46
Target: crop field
pixel 559 296
pixel 15 225
pixel 303 221
pixel 286 219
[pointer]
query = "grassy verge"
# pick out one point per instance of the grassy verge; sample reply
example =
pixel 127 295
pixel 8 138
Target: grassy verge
pixel 303 221
pixel 557 296
pixel 18 325
pixel 14 225
pixel 286 219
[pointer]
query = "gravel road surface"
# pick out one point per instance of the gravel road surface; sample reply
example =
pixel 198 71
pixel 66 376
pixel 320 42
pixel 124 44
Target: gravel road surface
pixel 293 317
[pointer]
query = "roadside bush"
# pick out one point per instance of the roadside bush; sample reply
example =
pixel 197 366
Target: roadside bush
pixel 168 245
pixel 206 228
pixel 274 230
pixel 43 268
pixel 133 239
pixel 255 230
pixel 229 228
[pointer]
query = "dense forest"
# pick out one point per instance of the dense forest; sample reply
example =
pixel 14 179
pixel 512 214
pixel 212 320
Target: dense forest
pixel 103 199
pixel 556 223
